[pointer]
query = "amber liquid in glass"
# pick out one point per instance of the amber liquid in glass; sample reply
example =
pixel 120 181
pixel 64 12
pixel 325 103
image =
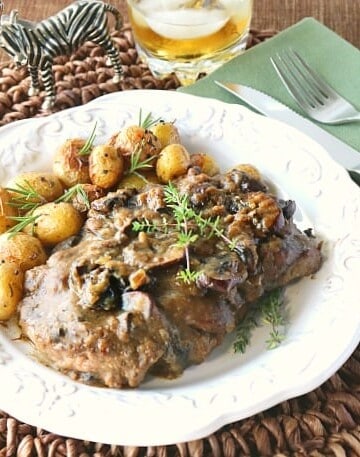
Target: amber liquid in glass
pixel 170 31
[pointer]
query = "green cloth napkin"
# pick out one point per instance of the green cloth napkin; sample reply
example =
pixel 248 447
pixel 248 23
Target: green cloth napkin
pixel 336 59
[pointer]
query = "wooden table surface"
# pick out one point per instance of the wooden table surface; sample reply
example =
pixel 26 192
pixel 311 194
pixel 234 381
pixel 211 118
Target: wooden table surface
pixel 342 16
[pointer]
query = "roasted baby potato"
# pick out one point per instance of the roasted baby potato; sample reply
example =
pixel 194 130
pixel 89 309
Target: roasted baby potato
pixel 55 222
pixel 46 187
pixel 106 166
pixel 136 140
pixel 11 288
pixel 22 249
pixel 249 169
pixel 166 132
pixel 6 211
pixel 206 163
pixel 69 166
pixel 173 161
pixel 138 181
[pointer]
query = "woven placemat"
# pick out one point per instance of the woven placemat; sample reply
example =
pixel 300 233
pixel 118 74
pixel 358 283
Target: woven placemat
pixel 324 422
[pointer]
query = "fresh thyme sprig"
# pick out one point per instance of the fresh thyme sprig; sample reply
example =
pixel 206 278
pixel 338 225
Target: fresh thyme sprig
pixel 182 213
pixel 244 331
pixel 23 221
pixel 268 310
pixel 148 121
pixel 189 226
pixel 25 197
pixel 86 149
pixel 73 192
pixel 271 315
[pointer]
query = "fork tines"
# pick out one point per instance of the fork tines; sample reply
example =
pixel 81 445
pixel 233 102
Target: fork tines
pixel 306 84
pixel 317 98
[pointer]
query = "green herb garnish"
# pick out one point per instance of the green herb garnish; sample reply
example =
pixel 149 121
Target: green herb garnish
pixel 268 310
pixel 72 193
pixel 86 149
pixel 137 164
pixel 25 197
pixel 23 221
pixel 189 225
pixel 148 121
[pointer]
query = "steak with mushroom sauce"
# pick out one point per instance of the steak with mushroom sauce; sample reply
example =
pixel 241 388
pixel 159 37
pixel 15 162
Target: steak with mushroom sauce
pixel 109 308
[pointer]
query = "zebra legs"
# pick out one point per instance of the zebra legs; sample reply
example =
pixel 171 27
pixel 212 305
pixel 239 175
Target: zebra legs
pixel 49 84
pixel 113 54
pixel 34 84
pixel 48 81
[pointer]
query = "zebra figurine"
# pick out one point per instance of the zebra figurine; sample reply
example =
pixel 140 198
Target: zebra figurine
pixel 37 44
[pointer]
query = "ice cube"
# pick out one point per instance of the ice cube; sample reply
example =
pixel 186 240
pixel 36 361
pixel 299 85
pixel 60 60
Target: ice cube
pixel 187 23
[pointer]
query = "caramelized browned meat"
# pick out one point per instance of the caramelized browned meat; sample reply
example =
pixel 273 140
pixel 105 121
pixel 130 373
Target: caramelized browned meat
pixel 110 308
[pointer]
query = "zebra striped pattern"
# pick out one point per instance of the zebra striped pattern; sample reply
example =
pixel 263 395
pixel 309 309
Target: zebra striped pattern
pixel 37 44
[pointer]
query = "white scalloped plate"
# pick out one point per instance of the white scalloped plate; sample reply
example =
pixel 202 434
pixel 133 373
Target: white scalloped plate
pixel 323 311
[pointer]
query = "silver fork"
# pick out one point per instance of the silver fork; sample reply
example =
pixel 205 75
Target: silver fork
pixel 320 101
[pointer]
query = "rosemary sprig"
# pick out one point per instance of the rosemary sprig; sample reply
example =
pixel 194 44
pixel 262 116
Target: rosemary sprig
pixel 268 310
pixel 75 191
pixel 148 121
pixel 86 149
pixel 25 197
pixel 137 164
pixel 23 221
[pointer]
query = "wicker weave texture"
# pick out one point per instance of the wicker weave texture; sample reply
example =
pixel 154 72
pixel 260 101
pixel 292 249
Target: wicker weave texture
pixel 84 76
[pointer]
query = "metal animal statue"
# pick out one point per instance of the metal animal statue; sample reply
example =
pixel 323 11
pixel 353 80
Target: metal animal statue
pixel 37 44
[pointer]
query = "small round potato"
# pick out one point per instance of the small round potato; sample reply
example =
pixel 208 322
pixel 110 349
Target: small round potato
pixel 136 140
pixel 106 166
pixel 249 169
pixel 70 167
pixel 138 181
pixel 55 223
pixel 166 132
pixel 6 211
pixel 22 249
pixel 47 185
pixel 206 163
pixel 11 289
pixel 173 161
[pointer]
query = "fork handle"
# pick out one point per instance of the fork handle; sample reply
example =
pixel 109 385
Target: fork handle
pixel 347 120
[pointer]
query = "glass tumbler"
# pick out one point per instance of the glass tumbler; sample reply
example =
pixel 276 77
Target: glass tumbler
pixel 189 37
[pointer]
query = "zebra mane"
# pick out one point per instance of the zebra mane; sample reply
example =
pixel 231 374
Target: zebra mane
pixel 12 18
pixel 9 18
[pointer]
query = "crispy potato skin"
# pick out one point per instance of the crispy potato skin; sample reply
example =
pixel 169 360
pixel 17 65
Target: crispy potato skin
pixel 206 163
pixel 55 223
pixel 47 185
pixel 173 161
pixel 70 167
pixel 6 211
pixel 135 139
pixel 250 170
pixel 166 132
pixel 22 249
pixel 106 166
pixel 11 288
